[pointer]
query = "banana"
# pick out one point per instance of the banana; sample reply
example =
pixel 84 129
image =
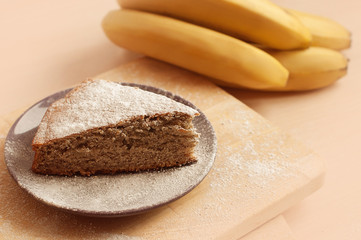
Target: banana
pixel 255 21
pixel 194 48
pixel 325 32
pixel 311 68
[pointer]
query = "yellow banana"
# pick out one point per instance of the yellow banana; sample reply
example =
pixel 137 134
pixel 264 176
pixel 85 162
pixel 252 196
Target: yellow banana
pixel 255 21
pixel 195 48
pixel 311 68
pixel 325 32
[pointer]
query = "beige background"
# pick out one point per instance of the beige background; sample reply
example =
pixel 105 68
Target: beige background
pixel 47 46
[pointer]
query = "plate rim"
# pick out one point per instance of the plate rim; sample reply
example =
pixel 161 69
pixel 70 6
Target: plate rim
pixel 129 211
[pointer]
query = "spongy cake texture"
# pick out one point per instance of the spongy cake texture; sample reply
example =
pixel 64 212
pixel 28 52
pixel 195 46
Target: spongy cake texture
pixel 104 127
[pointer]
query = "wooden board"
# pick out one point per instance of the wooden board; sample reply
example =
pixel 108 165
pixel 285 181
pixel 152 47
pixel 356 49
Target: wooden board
pixel 259 172
pixel 19 208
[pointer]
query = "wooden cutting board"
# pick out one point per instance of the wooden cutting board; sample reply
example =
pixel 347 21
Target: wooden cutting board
pixel 259 172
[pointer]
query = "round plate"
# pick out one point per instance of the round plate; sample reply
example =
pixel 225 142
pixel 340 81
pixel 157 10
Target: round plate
pixel 105 195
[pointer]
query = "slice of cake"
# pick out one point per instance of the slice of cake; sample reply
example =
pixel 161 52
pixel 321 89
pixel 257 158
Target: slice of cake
pixel 104 127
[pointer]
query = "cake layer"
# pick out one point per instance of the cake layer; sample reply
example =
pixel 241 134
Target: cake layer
pixel 138 144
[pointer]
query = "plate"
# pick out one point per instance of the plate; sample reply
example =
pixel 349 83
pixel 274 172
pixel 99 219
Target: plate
pixel 106 195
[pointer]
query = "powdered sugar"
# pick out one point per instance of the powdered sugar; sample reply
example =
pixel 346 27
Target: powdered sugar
pixel 97 103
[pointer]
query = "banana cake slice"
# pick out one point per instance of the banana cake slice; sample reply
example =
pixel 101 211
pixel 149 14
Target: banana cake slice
pixel 104 127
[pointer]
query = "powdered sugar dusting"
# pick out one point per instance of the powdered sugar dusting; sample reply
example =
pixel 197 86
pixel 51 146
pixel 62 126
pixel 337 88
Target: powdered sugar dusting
pixel 256 169
pixel 253 175
pixel 96 103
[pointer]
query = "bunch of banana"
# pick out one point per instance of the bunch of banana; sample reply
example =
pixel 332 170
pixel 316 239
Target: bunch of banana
pixel 241 43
